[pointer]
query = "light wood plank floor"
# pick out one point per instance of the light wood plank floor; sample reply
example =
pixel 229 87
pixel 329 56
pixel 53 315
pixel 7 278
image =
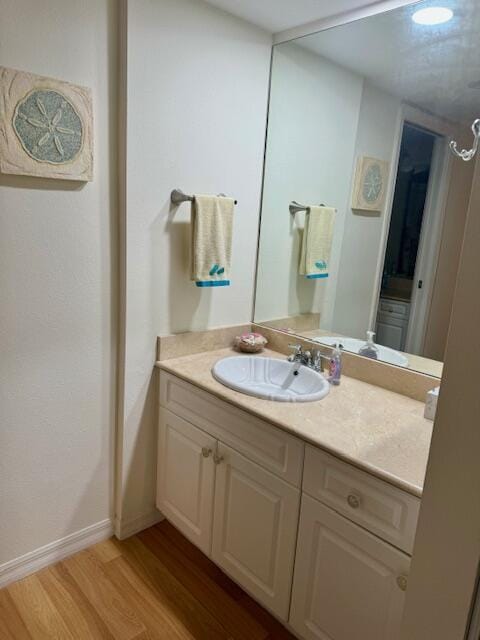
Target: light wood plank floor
pixel 153 586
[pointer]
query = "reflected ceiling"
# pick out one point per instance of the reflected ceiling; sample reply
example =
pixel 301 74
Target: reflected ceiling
pixel 446 57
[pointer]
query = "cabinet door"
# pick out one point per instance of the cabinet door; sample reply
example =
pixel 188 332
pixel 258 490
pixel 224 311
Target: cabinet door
pixel 186 478
pixel 389 334
pixel 348 583
pixel 254 530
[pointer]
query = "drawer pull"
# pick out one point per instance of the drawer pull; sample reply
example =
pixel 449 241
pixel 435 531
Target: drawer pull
pixel 402 582
pixel 353 501
pixel 217 459
pixel 206 452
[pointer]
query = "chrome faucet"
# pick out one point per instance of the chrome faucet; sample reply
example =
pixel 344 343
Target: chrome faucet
pixel 312 359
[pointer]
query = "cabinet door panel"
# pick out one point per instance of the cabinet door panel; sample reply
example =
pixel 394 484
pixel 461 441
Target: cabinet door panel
pixel 390 335
pixel 348 584
pixel 186 476
pixel 254 531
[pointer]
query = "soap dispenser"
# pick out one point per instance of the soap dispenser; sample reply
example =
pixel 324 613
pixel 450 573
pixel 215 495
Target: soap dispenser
pixel 335 367
pixel 369 350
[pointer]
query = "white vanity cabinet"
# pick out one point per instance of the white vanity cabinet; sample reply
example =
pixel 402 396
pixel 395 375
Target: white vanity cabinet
pixel 230 483
pixel 348 584
pixel 321 544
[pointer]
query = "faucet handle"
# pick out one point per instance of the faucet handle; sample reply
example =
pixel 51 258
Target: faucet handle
pixel 319 359
pixel 297 352
pixel 296 348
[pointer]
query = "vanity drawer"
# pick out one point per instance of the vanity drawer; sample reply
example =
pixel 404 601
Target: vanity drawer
pixel 260 441
pixel 376 505
pixel 398 308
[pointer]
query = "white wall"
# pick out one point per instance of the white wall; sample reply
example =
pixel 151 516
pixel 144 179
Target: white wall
pixel 446 555
pixel 197 85
pixel 449 256
pixel 314 108
pixel 377 125
pixel 57 298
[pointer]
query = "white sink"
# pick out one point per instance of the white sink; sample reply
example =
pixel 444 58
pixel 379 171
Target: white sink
pixel 271 378
pixel 385 354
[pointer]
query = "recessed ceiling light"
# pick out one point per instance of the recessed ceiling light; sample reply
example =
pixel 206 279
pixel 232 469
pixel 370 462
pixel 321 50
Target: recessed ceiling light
pixel 432 15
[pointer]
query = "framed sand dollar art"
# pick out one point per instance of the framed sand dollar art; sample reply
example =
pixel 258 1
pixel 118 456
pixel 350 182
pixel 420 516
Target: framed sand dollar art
pixel 45 127
pixel 370 184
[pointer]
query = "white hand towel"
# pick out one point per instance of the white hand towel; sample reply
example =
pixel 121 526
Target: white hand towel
pixel 212 224
pixel 317 242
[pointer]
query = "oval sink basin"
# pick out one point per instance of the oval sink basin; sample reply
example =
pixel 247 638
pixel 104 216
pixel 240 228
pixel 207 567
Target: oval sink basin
pixel 271 378
pixel 385 354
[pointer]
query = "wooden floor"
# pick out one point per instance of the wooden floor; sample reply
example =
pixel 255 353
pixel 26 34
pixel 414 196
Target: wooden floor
pixel 155 585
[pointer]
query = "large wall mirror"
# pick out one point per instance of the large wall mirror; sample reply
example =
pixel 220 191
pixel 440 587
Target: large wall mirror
pixel 361 185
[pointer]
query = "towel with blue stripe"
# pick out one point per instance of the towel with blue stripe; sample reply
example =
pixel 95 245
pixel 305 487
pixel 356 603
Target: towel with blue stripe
pixel 317 242
pixel 212 225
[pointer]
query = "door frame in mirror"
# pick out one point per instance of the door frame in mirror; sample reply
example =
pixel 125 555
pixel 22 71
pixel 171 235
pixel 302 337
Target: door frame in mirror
pixel 432 226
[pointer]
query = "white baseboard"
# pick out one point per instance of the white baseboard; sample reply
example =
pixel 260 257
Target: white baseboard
pixel 54 551
pixel 129 527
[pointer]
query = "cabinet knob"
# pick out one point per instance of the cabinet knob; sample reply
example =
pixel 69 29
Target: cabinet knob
pixel 402 582
pixel 217 459
pixel 353 501
pixel 206 452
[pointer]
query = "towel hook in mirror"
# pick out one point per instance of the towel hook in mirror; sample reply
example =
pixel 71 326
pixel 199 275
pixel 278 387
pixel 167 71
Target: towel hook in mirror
pixel 294 207
pixel 466 154
pixel 177 197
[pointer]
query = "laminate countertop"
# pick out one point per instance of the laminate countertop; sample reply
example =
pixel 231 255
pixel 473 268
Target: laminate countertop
pixel 379 431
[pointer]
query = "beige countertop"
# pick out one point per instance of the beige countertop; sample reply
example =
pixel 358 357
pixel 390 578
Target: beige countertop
pixel 377 430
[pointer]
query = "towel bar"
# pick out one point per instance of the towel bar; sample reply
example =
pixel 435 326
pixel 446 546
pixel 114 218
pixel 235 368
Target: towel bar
pixel 177 197
pixel 296 207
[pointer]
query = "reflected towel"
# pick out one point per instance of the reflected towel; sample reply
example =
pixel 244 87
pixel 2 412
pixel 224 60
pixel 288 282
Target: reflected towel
pixel 212 224
pixel 317 242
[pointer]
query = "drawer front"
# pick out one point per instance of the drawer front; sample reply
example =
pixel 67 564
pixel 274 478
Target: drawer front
pixel 398 308
pixel 263 443
pixel 392 320
pixel 382 509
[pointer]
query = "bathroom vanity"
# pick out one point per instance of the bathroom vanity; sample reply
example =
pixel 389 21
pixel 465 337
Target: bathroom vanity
pixel 311 508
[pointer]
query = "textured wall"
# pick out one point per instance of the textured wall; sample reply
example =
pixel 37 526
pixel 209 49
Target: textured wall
pixel 197 86
pixel 57 322
pixel 356 288
pixel 448 259
pixel 314 108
